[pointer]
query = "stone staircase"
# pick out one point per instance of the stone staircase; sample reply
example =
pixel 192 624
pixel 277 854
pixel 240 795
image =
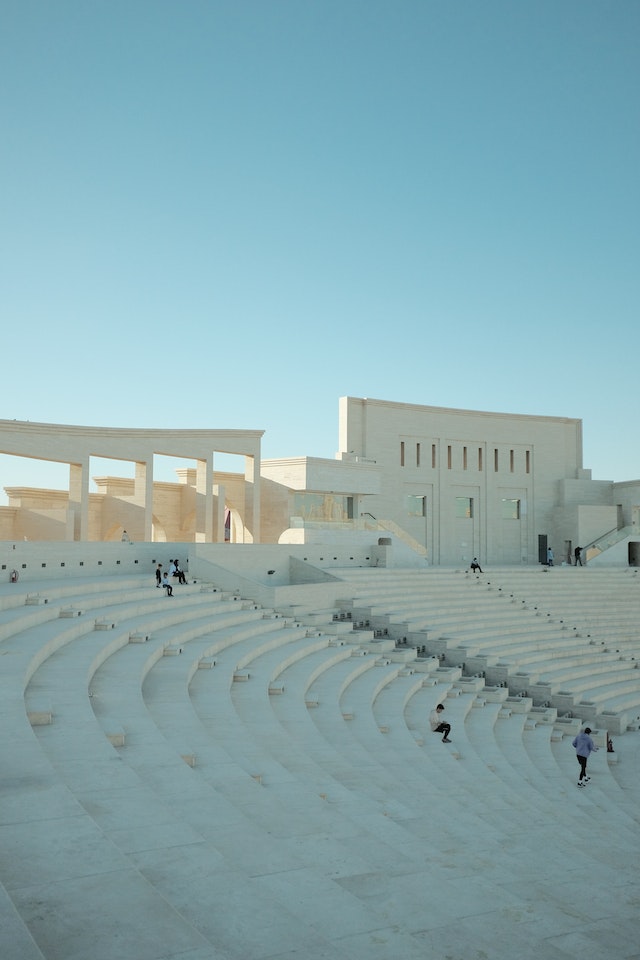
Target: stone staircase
pixel 204 778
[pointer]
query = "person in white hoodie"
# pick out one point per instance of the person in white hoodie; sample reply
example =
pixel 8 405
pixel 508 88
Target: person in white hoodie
pixel 438 725
pixel 584 748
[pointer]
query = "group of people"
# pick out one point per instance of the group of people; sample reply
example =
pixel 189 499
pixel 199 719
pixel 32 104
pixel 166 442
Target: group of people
pixel 164 578
pixel 577 557
pixel 582 743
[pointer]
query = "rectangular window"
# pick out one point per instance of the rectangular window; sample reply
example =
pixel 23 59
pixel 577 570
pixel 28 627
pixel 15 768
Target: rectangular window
pixel 464 458
pixel 449 458
pixel 417 454
pixel 495 460
pixel 464 507
pixel 510 509
pixel 527 461
pixel 416 506
pixel 402 453
pixel 433 456
pixel 480 459
pixel 512 460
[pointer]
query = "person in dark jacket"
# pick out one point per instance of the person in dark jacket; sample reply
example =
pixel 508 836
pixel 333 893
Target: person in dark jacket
pixel 584 746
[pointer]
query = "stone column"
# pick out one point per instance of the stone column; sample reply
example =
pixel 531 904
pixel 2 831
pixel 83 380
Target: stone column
pixel 204 500
pixel 219 494
pixel 252 499
pixel 79 499
pixel 143 496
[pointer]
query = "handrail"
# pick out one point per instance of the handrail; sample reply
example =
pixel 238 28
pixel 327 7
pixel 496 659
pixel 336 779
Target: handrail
pixel 410 541
pixel 609 539
pixel 594 543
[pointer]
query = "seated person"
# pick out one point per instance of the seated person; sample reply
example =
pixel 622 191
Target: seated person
pixel 438 725
pixel 475 566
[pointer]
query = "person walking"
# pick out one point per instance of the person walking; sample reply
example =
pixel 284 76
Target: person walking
pixel 549 557
pixel 577 553
pixel 438 725
pixel 584 747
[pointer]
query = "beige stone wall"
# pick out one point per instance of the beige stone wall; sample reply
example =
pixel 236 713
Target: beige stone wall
pixel 628 496
pixel 442 455
pixel 276 510
pixel 8 523
pixel 393 459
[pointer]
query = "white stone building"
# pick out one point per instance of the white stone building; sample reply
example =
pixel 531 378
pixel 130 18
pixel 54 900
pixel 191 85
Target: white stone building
pixel 452 484
pixel 498 486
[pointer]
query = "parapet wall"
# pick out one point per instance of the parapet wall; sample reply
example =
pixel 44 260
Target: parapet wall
pixel 47 560
pixel 52 560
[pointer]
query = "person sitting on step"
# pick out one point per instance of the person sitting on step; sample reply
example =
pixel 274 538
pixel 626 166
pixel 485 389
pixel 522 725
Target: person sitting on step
pixel 438 725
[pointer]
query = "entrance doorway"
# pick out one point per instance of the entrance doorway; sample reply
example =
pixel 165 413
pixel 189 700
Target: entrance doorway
pixel 542 548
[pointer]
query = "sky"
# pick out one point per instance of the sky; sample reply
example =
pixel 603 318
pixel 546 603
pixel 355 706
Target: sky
pixel 227 214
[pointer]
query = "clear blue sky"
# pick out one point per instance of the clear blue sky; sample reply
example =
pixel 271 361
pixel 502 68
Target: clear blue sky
pixel 230 213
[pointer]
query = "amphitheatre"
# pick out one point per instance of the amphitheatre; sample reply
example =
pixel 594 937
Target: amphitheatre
pixel 245 770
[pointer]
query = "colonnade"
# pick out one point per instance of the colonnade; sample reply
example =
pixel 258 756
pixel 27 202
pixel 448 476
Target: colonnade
pixel 76 445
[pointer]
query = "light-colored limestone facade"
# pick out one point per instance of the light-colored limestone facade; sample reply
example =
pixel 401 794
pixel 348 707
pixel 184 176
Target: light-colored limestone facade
pixel 142 508
pixel 449 484
pixel 497 486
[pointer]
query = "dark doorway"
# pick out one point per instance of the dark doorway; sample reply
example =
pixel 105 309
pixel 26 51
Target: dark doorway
pixel 542 548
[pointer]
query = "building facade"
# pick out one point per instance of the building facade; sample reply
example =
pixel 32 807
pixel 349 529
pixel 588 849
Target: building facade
pixel 453 484
pixel 465 483
pixel 193 510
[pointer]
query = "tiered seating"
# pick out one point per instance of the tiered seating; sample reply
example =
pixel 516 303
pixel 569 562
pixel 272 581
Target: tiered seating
pixel 204 778
pixel 512 629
